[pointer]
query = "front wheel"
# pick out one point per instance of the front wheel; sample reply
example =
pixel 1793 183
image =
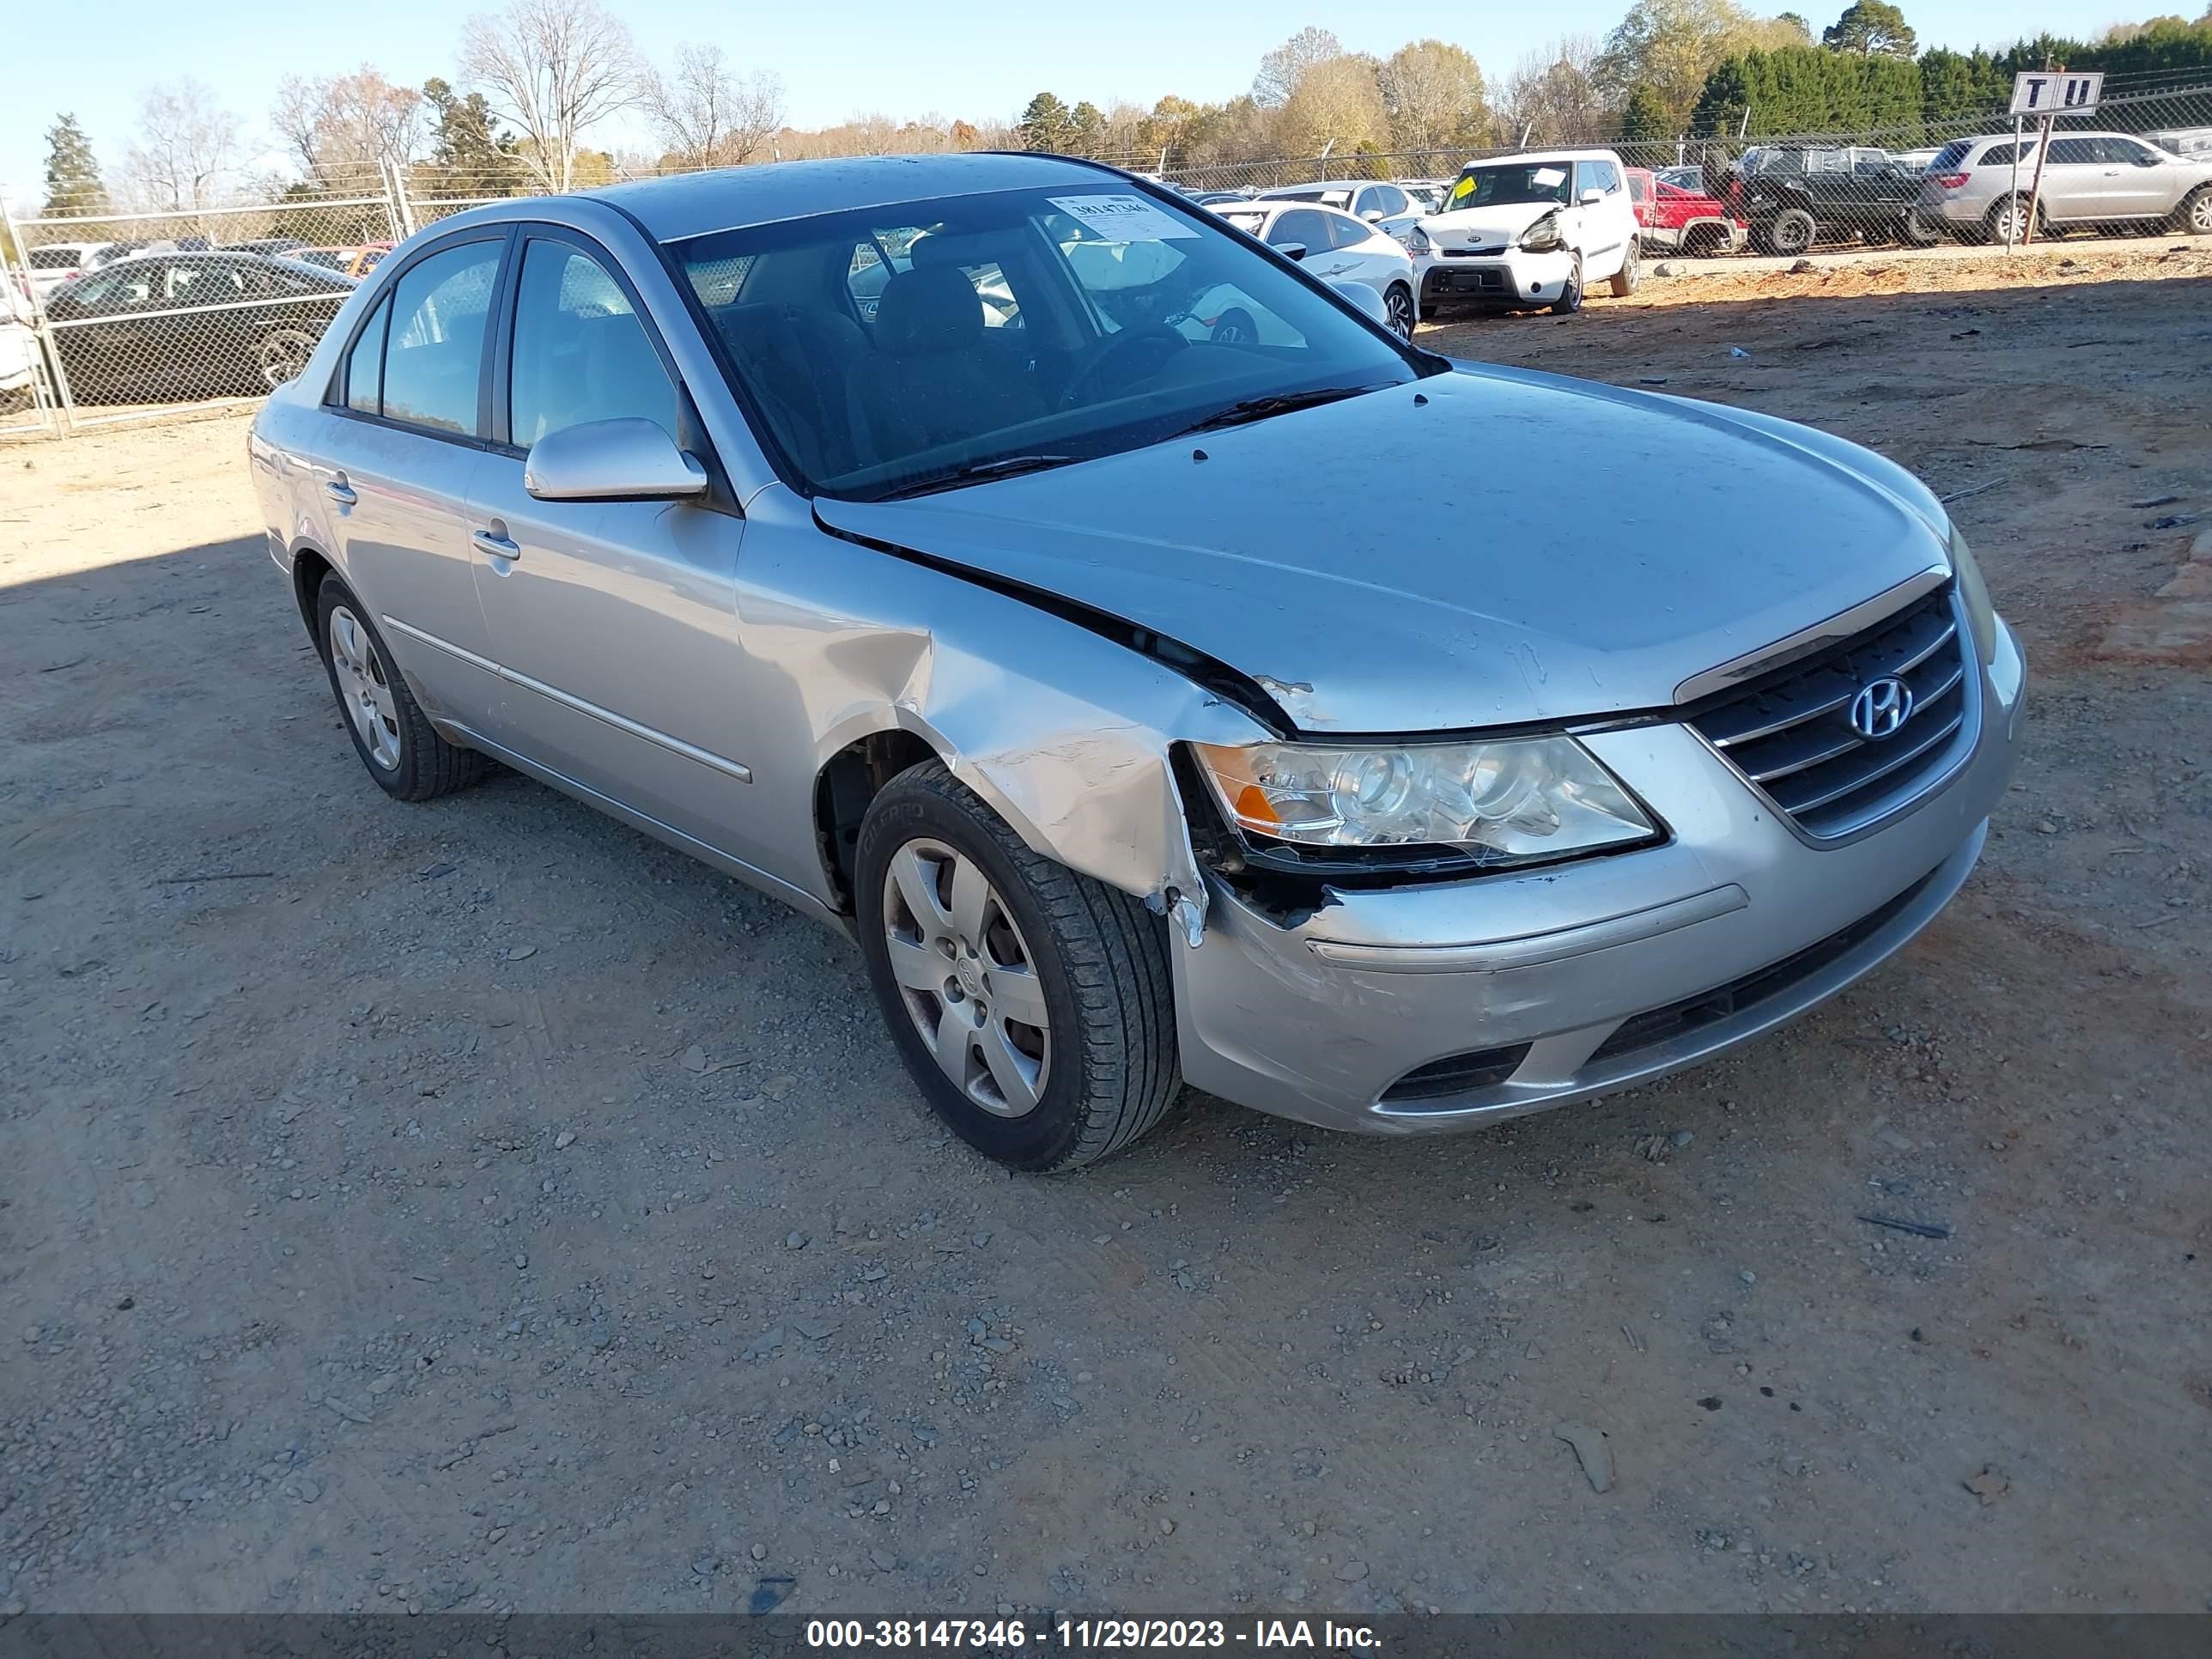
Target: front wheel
pixel 1571 297
pixel 281 355
pixel 2196 214
pixel 1399 303
pixel 1631 274
pixel 1032 1004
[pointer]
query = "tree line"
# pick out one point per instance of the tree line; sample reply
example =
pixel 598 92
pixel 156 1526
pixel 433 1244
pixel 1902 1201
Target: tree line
pixel 538 81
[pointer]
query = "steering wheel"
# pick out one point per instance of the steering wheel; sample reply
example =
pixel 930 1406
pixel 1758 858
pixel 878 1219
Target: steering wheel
pixel 1121 345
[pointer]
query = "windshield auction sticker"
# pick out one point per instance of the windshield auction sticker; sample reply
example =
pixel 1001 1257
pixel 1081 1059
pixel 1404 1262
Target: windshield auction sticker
pixel 1123 218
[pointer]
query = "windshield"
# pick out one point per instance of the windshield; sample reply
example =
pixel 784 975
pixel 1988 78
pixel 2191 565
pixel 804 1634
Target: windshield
pixel 1509 184
pixel 893 349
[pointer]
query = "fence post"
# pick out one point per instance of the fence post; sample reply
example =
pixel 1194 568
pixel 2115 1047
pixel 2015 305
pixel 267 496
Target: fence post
pixel 42 331
pixel 403 211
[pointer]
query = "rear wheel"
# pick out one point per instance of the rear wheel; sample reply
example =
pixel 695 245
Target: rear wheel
pixel 2196 214
pixel 1032 1004
pixel 2007 221
pixel 1398 301
pixel 1923 229
pixel 1235 327
pixel 393 738
pixel 1631 274
pixel 1792 232
pixel 281 355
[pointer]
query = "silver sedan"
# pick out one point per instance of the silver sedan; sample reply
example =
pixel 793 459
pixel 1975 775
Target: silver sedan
pixel 884 533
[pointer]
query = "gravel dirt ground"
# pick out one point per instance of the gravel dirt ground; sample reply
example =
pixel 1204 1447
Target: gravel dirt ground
pixel 477 1205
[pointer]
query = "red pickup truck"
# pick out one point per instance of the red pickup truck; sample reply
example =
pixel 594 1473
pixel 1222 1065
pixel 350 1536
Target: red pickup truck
pixel 1672 219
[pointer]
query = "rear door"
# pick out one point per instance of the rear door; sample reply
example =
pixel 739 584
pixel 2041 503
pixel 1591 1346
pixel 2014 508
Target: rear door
pixel 2075 183
pixel 404 438
pixel 616 621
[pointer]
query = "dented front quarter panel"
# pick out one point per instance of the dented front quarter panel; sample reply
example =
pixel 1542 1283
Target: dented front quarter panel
pixel 1065 733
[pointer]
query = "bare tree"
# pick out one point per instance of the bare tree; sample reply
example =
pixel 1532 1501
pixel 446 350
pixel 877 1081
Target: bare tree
pixel 188 146
pixel 708 115
pixel 1281 70
pixel 555 69
pixel 1553 94
pixel 340 127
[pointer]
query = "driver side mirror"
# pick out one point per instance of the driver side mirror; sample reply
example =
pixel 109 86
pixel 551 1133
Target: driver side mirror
pixel 1591 198
pixel 620 460
pixel 1374 215
pixel 1291 250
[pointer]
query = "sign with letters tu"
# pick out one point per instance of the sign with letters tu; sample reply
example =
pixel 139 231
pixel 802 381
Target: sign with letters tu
pixel 2056 92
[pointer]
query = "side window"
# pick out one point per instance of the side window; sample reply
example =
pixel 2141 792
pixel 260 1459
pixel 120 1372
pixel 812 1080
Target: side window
pixel 433 364
pixel 2124 152
pixel 1345 231
pixel 364 378
pixel 2073 152
pixel 1391 199
pixel 580 352
pixel 1301 228
pixel 1369 200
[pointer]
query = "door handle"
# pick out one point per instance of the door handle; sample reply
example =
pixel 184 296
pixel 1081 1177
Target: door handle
pixel 495 544
pixel 340 491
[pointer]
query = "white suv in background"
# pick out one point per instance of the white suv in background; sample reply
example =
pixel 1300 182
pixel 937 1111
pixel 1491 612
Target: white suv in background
pixel 1524 232
pixel 1974 188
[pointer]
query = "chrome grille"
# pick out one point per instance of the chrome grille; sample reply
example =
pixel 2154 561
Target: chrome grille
pixel 1791 732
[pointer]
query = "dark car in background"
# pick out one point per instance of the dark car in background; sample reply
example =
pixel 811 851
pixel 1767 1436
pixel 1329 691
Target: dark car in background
pixel 1793 196
pixel 160 327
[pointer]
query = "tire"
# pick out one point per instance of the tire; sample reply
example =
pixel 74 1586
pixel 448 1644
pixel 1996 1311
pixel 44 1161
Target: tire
pixel 1235 327
pixel 281 355
pixel 1630 277
pixel 1570 298
pixel 1793 232
pixel 392 736
pixel 2195 216
pixel 2012 206
pixel 1100 1069
pixel 1398 301
pixel 1920 230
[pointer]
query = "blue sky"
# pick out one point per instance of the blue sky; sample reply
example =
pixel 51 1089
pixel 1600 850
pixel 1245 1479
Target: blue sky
pixel 914 58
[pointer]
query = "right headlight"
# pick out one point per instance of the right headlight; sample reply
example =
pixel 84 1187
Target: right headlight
pixel 1416 240
pixel 1497 802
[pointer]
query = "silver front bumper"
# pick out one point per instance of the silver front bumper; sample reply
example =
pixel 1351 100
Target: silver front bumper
pixel 1316 1018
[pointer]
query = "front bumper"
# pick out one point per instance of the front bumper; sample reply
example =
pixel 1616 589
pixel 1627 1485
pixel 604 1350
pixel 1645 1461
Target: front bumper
pixel 1514 279
pixel 1581 980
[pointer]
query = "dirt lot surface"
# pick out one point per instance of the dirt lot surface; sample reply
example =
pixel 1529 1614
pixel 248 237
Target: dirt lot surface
pixel 477 1205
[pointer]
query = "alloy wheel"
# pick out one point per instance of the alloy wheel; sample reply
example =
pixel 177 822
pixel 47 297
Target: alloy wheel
pixel 1399 304
pixel 283 357
pixel 364 689
pixel 2200 213
pixel 967 978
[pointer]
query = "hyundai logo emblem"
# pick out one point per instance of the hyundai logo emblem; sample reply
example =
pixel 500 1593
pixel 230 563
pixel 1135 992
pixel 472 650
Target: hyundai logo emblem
pixel 1880 708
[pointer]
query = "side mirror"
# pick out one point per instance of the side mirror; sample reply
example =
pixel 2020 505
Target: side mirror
pixel 1365 300
pixel 1591 197
pixel 1375 216
pixel 622 460
pixel 1291 250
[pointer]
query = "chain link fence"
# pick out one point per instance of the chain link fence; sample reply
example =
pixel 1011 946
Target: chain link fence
pixel 122 316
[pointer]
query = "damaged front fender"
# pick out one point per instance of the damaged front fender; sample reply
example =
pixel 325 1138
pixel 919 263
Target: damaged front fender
pixel 1066 731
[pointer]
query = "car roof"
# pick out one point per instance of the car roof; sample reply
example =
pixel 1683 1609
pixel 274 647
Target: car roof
pixel 1545 155
pixel 1327 184
pixel 730 198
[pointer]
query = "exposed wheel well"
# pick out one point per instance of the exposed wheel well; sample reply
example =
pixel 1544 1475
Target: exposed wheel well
pixel 309 569
pixel 851 780
pixel 1706 239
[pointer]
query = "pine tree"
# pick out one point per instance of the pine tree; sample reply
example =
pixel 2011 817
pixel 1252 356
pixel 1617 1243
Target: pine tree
pixel 73 182
pixel 1046 124
pixel 1643 117
pixel 465 144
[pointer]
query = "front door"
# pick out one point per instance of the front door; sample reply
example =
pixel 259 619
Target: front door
pixel 616 621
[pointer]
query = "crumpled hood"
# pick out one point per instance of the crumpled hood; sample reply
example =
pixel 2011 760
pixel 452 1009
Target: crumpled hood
pixel 1488 547
pixel 1479 227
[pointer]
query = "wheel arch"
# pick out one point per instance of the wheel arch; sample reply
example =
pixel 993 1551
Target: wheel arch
pixel 310 566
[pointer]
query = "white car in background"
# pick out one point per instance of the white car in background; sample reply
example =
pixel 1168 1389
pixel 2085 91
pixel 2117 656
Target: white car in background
pixel 54 263
pixel 1334 247
pixel 1522 233
pixel 1389 207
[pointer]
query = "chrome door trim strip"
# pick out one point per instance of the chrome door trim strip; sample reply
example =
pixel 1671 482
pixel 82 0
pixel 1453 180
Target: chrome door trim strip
pixel 1806 641
pixel 675 746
